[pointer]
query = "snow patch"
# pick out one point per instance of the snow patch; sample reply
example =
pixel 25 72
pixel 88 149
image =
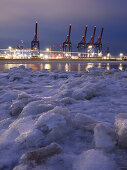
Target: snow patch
pixel 121 129
pixel 104 137
pixel 94 160
pixel 54 124
pixel 83 121
pixel 34 108
pixel 22 100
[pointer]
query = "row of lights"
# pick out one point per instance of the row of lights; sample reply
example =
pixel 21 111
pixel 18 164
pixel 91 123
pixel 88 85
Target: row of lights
pixel 46 56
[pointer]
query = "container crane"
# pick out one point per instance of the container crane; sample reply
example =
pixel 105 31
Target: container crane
pixel 35 45
pixel 67 46
pixel 82 44
pixel 90 45
pixel 98 44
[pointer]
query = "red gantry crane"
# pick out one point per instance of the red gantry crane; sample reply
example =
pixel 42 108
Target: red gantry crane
pixel 67 46
pixel 93 36
pixel 98 44
pixel 90 45
pixel 89 49
pixel 82 44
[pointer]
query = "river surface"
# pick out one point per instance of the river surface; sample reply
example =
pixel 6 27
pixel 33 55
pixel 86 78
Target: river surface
pixel 65 66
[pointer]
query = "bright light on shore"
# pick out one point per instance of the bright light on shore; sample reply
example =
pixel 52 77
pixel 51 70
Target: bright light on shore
pixel 41 55
pixel 79 54
pixel 93 54
pixel 66 54
pixel 100 54
pixel 9 47
pixel 121 55
pixel 46 56
pixel 108 55
pixel 47 49
pixel 90 46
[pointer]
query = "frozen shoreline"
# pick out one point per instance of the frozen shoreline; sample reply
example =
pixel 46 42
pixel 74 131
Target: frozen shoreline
pixel 58 61
pixel 69 115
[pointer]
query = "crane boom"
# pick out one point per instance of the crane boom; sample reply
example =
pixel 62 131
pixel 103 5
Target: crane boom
pixel 93 35
pixel 100 38
pixel 84 38
pixel 69 34
pixel 36 33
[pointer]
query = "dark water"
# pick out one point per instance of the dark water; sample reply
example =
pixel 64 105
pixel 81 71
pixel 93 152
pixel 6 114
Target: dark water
pixel 66 66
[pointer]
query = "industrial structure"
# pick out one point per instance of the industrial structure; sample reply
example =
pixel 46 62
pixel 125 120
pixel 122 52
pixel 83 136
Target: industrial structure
pixel 98 44
pixel 20 45
pixel 35 45
pixel 82 45
pixel 67 46
pixel 90 49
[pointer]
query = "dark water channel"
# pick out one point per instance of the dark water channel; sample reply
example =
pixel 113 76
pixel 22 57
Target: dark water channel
pixel 65 66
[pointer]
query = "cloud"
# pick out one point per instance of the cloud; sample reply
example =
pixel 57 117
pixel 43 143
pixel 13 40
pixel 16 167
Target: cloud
pixel 17 18
pixel 59 9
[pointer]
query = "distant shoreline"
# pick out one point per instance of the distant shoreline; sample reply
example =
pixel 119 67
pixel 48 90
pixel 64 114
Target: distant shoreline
pixel 57 60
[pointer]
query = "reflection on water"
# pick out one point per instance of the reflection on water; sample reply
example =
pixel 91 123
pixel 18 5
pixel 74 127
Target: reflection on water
pixel 89 65
pixel 67 67
pixel 108 66
pixel 34 67
pixel 8 66
pixel 72 66
pixel 47 66
pixel 59 66
pixel 120 66
pixel 79 67
pixel 99 65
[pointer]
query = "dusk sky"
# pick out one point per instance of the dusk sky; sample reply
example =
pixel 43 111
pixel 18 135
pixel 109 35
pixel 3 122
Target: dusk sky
pixel 17 19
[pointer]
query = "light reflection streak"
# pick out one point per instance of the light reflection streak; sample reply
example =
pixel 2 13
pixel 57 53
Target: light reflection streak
pixel 47 66
pixel 99 65
pixel 41 67
pixel 61 66
pixel 89 65
pixel 79 67
pixel 121 67
pixel 108 66
pixel 67 67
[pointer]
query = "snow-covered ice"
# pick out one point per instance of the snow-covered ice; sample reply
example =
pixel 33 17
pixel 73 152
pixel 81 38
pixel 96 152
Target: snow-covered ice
pixel 121 129
pixel 94 160
pixel 104 137
pixel 63 120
